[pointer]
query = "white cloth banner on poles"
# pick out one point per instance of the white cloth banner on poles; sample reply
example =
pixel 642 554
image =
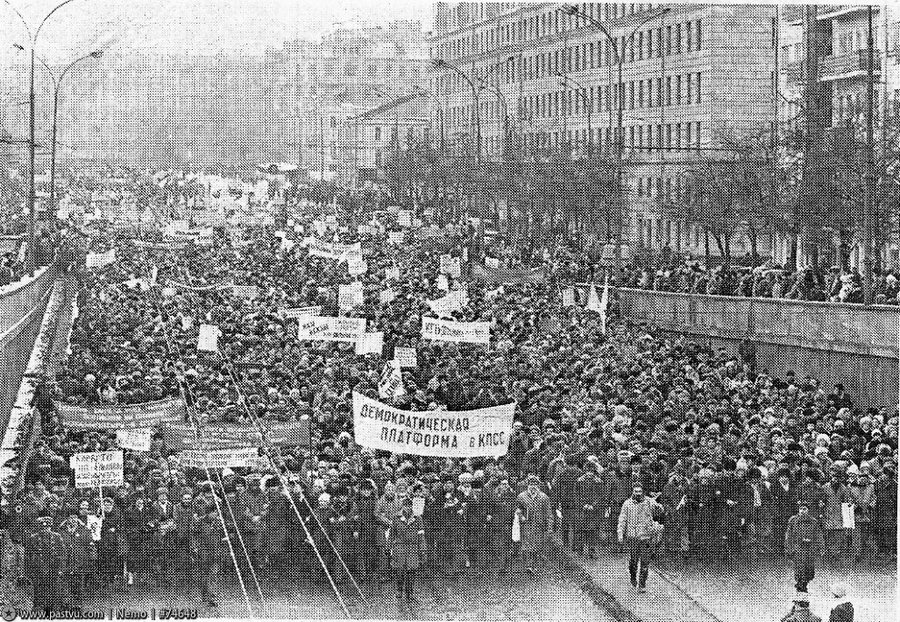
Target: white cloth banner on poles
pixel 390 384
pixel 219 458
pixel 459 332
pixel 370 343
pixel 137 439
pixel 297 312
pixel 568 297
pixel 350 295
pixel 447 434
pixel 316 328
pixel 208 339
pixel 98 468
pixel 405 357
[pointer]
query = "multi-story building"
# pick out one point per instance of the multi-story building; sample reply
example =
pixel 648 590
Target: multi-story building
pixel 371 136
pixel 689 74
pixel 348 71
pixel 829 44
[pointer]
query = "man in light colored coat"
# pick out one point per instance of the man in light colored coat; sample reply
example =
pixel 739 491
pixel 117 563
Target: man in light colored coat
pixel 638 529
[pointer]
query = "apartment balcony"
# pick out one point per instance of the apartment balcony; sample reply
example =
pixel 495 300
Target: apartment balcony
pixel 847 66
pixel 837 10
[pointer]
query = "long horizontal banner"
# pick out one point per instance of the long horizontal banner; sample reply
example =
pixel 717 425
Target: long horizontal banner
pixel 160 246
pixel 318 328
pixel 506 275
pixel 180 436
pixel 120 416
pixel 459 332
pixel 221 458
pixel 298 312
pixel 204 288
pixel 447 434
pixel 332 250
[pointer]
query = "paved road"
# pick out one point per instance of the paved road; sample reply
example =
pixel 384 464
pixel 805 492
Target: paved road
pixel 472 595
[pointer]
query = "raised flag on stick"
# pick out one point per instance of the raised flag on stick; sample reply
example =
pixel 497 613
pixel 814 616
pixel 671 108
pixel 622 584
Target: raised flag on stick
pixel 390 384
pixel 604 305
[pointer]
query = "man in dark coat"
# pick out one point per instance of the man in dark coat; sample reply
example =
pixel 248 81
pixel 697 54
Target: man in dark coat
pixel 408 550
pixel 208 543
pixel 366 534
pixel 81 555
pixel 589 497
pixel 803 543
pixel 503 506
pixel 784 503
pixel 565 501
pixel 45 557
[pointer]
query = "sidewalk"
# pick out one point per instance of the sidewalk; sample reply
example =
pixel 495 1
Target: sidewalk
pixel 710 592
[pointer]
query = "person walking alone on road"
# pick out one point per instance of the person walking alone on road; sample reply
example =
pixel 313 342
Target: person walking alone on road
pixel 803 542
pixel 638 529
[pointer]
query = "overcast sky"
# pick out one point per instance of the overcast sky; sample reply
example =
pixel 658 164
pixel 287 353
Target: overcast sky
pixel 198 26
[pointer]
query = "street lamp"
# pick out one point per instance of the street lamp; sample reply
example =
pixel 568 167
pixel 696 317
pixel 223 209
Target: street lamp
pixel 32 37
pixel 588 103
pixel 440 63
pixel 619 57
pixel 57 83
pixel 485 85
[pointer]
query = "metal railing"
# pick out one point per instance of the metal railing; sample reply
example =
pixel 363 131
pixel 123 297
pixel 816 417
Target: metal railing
pixel 20 298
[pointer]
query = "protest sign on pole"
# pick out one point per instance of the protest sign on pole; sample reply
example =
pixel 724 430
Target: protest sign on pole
pixel 405 357
pixel 593 300
pixel 370 343
pixel 98 468
pixel 455 267
pixel 604 305
pixel 356 266
pixel 350 295
pixel 404 218
pixel 208 338
pixel 568 297
pixel 447 434
pixel 137 439
pixel 390 384
pixel 392 273
pixel 458 332
pixel 120 416
pixel 387 296
pixel 445 263
pixel 443 283
pixel 492 262
pixel 395 237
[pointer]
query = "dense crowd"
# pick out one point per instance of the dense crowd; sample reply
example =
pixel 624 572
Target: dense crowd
pixel 605 422
pixel 769 280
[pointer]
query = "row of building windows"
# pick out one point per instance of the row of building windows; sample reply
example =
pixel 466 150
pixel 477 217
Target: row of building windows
pixel 670 233
pixel 637 94
pixel 683 37
pixel 654 43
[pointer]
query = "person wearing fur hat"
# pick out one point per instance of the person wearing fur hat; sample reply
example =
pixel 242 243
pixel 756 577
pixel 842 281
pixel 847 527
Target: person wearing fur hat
pixel 408 548
pixel 536 519
pixel 81 556
pixel 45 558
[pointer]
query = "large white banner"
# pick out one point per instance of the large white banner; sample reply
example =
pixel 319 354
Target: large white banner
pixel 98 468
pixel 208 338
pixel 317 328
pixel 459 332
pixel 332 250
pixel 461 434
pixel 453 301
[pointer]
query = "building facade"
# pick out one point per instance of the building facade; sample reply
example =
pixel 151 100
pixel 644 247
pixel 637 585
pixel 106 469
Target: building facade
pixel 690 73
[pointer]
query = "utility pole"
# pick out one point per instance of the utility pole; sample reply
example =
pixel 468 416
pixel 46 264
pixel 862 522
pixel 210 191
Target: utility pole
pixel 869 206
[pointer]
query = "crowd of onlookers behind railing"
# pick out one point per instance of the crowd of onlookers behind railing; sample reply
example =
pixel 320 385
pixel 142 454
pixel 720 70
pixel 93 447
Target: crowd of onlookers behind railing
pixel 832 284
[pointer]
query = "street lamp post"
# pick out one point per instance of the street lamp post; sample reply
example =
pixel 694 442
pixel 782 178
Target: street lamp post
pixel 57 83
pixel 501 98
pixel 588 103
pixel 619 57
pixel 476 113
pixel 33 37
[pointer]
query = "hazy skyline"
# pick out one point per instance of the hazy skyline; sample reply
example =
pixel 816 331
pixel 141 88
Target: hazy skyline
pixel 199 26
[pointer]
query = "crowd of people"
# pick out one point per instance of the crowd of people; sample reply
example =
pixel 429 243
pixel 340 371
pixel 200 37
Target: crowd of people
pixel 621 437
pixel 768 280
